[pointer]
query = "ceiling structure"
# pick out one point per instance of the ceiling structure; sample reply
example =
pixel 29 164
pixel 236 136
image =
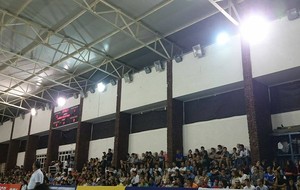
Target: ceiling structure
pixel 50 48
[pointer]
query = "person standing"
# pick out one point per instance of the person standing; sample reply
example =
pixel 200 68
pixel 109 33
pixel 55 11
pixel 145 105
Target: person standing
pixel 37 176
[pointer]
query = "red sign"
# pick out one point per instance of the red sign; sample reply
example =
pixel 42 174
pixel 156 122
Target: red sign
pixel 65 116
pixel 10 186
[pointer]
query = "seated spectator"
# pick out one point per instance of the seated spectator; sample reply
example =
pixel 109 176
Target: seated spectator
pixel 269 177
pixel 248 185
pixel 143 183
pixel 291 185
pixel 243 176
pixel 279 181
pixel 190 183
pixel 256 175
pixel 290 170
pixel 235 177
pixel 260 185
pixel 135 179
pixel 179 158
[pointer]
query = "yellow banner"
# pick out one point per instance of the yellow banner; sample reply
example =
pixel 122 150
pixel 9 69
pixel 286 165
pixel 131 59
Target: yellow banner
pixel 100 188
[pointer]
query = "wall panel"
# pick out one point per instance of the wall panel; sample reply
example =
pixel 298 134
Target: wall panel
pixel 5 131
pixel 221 65
pixel 97 147
pixel 100 103
pixel 67 147
pixel 20 158
pixel 41 121
pixel 41 151
pixel 279 51
pixel 286 119
pixel 153 140
pixel 21 126
pixel 227 132
pixel 69 103
pixel 145 89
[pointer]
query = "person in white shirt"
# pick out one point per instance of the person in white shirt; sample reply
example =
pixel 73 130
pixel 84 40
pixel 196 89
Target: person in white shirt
pixel 248 185
pixel 37 176
pixel 260 185
pixel 135 179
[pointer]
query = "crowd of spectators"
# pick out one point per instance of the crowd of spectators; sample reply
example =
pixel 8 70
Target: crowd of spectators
pixel 214 168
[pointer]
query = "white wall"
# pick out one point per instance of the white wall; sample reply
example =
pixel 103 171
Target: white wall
pixel 279 51
pixel 67 147
pixel 5 131
pixel 69 103
pixel 221 65
pixel 20 158
pixel 100 104
pixel 227 132
pixel 153 140
pixel 97 147
pixel 41 121
pixel 41 151
pixel 145 89
pixel 21 126
pixel 287 119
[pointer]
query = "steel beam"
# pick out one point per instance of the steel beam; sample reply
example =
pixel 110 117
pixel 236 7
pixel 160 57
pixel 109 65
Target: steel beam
pixel 223 11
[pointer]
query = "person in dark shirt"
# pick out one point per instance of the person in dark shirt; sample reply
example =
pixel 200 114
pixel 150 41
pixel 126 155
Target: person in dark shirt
pixel 179 158
pixel 279 181
pixel 109 157
pixel 291 185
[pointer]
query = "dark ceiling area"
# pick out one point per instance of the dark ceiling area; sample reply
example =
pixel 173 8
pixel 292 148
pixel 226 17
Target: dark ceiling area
pixel 50 48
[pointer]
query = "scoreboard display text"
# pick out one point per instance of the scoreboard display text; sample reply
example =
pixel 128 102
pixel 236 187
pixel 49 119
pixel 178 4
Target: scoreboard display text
pixel 65 116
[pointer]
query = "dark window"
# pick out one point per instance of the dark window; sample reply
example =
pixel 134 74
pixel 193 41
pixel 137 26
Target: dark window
pixel 68 137
pixel 149 121
pixel 215 107
pixel 22 147
pixel 285 97
pixel 43 142
pixel 103 130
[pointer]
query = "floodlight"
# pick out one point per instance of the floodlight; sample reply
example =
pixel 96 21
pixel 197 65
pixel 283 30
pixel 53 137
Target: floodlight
pixel 158 65
pixel 101 87
pixel 113 82
pixel 254 29
pixel 61 101
pixel 197 51
pixel 128 78
pixel 178 58
pixel 147 70
pixel 75 95
pixel 83 94
pixel 92 89
pixel 33 111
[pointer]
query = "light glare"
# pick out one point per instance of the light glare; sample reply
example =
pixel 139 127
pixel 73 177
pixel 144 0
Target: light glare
pixel 254 29
pixel 61 101
pixel 101 87
pixel 222 38
pixel 33 111
pixel 66 67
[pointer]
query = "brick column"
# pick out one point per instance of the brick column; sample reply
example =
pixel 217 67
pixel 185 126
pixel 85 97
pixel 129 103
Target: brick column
pixel 31 146
pixel 4 151
pixel 53 144
pixel 174 118
pixel 12 154
pixel 257 109
pixel 30 154
pixel 122 130
pixel 13 149
pixel 82 144
pixel 52 149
